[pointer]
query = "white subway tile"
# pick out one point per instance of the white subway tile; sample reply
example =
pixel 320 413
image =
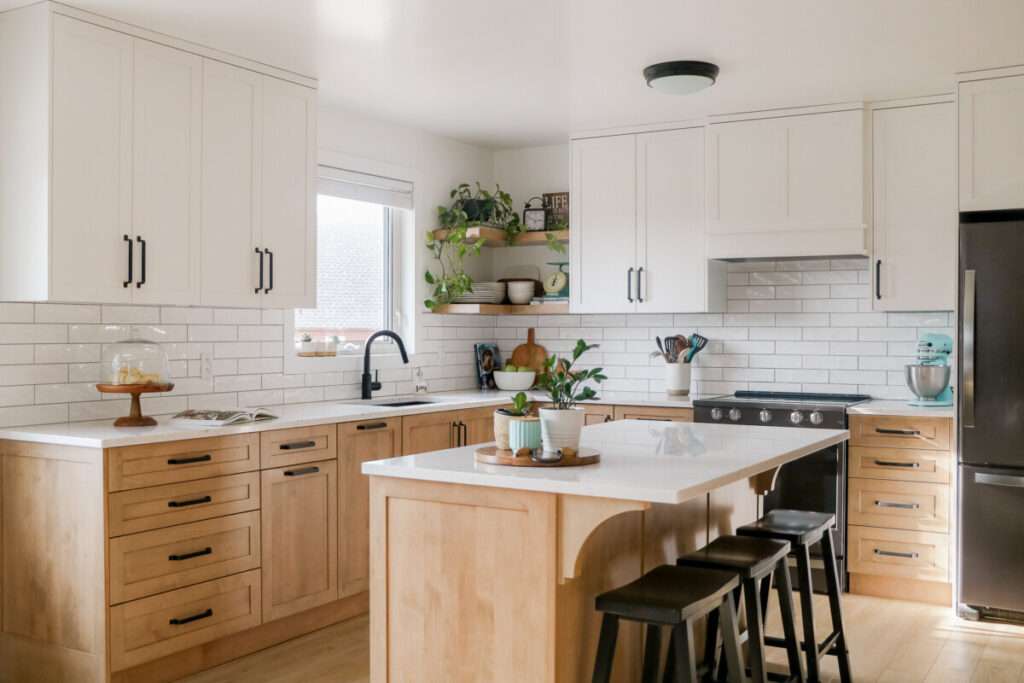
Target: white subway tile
pixel 849 291
pixel 776 333
pixel 130 314
pixel 774 361
pixel 281 381
pixel 17 396
pixel 237 350
pixel 749 319
pixel 698 320
pixel 84 372
pixel 802 265
pixel 802 292
pixel 737 306
pixel 858 319
pixel 857 376
pixel 802 376
pixel 830 306
pixel 254 399
pixel 304 395
pixel 831 362
pixel 32 374
pixel 66 393
pixel 212 333
pixel 64 313
pixel 830 334
pixel 858 263
pixel 67 353
pixel 751 292
pixel 888 334
pixel 776 306
pixel 831 277
pixel 237 316
pixel 15 333
pixel 186 316
pixel 17 313
pixel 260 333
pixel 841 348
pixel 940 319
pixel 17 416
pixel 775 278
pixel 96 334
pixel 802 319
pixel 748 374
pixel 802 348
pixel 738 279
pixel 16 354
pixel 234 383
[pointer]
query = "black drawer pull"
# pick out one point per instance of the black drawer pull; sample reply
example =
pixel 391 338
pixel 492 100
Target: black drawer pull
pixel 188 556
pixel 898 506
pixel 892 463
pixel 372 425
pixel 301 471
pixel 189 461
pixel 186 503
pixel 297 445
pixel 898 432
pixel 189 620
pixel 893 553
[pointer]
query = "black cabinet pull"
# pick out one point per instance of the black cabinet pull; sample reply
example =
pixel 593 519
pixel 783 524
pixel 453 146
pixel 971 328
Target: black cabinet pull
pixel 297 445
pixel 142 257
pixel 260 252
pixel 271 255
pixel 639 285
pixel 898 432
pixel 893 553
pixel 372 425
pixel 188 556
pixel 878 279
pixel 188 461
pixel 130 259
pixel 194 617
pixel 892 463
pixel 301 471
pixel 186 503
pixel 896 506
pixel 629 285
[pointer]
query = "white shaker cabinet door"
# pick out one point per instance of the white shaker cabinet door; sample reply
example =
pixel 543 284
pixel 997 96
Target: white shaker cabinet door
pixel 90 233
pixel 166 173
pixel 603 246
pixel 991 133
pixel 288 222
pixel 230 211
pixel 915 220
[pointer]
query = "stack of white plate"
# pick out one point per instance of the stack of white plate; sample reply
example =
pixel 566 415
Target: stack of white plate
pixel 484 293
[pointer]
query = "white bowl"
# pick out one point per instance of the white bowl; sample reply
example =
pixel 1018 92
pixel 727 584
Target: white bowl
pixel 514 381
pixel 520 292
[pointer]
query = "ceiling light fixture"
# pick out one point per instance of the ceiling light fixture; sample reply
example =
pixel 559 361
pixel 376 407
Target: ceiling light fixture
pixel 681 78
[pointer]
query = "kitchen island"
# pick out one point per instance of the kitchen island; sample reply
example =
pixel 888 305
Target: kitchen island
pixel 488 573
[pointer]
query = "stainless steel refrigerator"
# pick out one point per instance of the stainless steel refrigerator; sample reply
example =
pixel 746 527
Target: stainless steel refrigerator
pixel 991 414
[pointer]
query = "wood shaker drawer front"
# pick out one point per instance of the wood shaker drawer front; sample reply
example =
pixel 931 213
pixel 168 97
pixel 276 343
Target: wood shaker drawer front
pixel 901 464
pixel 895 552
pixel 157 561
pixel 133 467
pixel 161 625
pixel 654 414
pixel 286 447
pixel 899 505
pixel 888 431
pixel 130 512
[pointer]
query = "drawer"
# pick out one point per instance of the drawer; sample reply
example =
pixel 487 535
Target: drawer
pixel 155 627
pixel 899 505
pixel 285 447
pixel 654 414
pixel 157 561
pixel 133 467
pixel 887 431
pixel 901 464
pixel 895 552
pixel 130 512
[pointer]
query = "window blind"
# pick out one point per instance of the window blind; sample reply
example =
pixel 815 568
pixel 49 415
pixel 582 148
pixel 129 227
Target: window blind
pixel 365 187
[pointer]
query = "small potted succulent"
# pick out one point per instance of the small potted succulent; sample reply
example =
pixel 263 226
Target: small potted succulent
pixel 515 429
pixel 562 422
pixel 502 417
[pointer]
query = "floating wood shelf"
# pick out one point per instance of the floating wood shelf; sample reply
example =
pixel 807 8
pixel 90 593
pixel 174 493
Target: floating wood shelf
pixel 495 237
pixel 503 309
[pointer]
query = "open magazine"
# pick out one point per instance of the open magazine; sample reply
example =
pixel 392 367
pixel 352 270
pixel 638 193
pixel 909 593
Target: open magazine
pixel 220 418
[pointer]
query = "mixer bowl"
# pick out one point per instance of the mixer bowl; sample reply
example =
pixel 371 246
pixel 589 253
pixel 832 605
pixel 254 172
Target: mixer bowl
pixel 927 381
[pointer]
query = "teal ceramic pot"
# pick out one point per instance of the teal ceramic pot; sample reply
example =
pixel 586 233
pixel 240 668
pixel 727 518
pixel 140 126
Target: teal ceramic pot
pixel 523 432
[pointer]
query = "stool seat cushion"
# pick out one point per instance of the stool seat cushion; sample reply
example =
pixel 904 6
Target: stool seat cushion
pixel 799 527
pixel 669 595
pixel 749 556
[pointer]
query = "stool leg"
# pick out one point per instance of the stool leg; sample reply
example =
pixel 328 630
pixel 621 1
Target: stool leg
pixel 606 649
pixel 731 641
pixel 682 649
pixel 652 654
pixel 723 669
pixel 755 631
pixel 834 591
pixel 711 646
pixel 803 563
pixel 785 584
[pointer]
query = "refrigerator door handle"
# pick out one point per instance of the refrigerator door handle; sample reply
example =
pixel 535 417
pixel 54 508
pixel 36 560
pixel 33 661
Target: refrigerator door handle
pixel 999 480
pixel 967 416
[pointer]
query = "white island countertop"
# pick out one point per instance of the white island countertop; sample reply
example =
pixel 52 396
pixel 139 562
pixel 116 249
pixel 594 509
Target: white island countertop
pixel 655 462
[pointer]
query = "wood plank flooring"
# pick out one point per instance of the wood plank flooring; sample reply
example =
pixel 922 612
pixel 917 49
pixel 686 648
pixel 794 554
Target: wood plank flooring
pixel 891 642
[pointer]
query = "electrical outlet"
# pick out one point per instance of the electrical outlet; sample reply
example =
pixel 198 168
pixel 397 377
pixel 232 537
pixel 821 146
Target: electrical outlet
pixel 206 366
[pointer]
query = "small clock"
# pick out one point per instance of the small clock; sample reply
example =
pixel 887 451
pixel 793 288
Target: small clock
pixel 534 217
pixel 557 284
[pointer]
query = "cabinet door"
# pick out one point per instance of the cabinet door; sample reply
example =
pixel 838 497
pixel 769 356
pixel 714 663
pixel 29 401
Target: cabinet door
pixel 670 234
pixel 991 144
pixel 915 215
pixel 429 432
pixel 230 194
pixel 746 175
pixel 596 414
pixel 166 170
pixel 287 194
pixel 299 529
pixel 654 414
pixel 91 163
pixel 603 247
pixel 479 425
pixel 360 442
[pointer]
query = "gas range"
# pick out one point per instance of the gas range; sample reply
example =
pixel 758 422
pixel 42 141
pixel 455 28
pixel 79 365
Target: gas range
pixel 778 409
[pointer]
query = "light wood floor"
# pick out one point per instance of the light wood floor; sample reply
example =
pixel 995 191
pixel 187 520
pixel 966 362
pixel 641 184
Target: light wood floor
pixel 891 642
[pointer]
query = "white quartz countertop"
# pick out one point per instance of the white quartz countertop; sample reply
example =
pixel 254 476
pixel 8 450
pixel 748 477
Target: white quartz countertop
pixel 899 409
pixel 656 462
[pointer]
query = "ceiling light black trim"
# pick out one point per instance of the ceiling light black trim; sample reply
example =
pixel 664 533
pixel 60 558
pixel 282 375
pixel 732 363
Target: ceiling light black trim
pixel 681 68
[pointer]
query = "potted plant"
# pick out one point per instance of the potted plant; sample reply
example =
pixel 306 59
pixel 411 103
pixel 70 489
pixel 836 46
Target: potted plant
pixel 450 251
pixel 503 416
pixel 562 422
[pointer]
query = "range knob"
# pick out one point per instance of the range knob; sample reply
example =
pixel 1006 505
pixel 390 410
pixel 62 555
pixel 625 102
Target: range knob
pixel 817 418
pixel 716 414
pixel 735 414
pixel 765 415
pixel 796 417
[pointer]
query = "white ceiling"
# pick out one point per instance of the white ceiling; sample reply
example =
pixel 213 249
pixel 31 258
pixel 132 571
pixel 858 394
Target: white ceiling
pixel 520 72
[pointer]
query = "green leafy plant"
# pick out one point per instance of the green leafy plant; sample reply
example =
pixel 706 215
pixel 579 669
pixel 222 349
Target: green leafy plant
pixel 520 406
pixel 553 243
pixel 565 386
pixel 450 249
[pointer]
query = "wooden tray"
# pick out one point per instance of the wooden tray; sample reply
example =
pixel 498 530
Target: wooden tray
pixel 490 455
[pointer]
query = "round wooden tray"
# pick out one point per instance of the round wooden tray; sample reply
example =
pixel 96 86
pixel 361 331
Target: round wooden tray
pixel 491 455
pixel 135 418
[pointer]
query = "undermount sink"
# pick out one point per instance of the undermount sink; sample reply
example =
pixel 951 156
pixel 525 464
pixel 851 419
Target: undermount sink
pixel 402 404
pixel 394 402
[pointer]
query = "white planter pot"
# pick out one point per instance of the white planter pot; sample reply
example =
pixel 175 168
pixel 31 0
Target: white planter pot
pixel 560 429
pixel 677 379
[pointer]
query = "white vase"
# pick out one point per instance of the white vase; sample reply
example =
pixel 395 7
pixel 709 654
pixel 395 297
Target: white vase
pixel 560 429
pixel 677 379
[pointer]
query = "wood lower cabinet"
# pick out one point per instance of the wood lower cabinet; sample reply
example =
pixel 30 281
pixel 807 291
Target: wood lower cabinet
pixel 654 414
pixel 596 414
pixel 478 425
pixel 449 429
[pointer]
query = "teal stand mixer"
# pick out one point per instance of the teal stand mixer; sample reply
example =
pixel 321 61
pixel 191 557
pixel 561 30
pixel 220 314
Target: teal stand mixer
pixel 928 378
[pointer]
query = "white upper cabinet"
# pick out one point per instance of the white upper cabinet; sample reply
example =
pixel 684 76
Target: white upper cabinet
pixel 915 220
pixel 787 185
pixel 991 134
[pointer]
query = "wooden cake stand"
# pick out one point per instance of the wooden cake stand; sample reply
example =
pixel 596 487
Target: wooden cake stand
pixel 135 418
pixel 491 455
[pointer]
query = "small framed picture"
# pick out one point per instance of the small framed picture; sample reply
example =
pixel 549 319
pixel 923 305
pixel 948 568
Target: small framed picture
pixel 488 359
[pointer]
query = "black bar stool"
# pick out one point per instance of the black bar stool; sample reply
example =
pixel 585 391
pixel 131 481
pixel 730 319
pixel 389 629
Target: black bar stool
pixel 755 561
pixel 803 529
pixel 675 597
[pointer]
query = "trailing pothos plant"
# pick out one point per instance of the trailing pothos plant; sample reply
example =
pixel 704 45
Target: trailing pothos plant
pixel 566 386
pixel 483 207
pixel 450 250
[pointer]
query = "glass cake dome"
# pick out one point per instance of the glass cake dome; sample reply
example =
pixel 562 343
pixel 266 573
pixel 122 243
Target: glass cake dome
pixel 135 362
